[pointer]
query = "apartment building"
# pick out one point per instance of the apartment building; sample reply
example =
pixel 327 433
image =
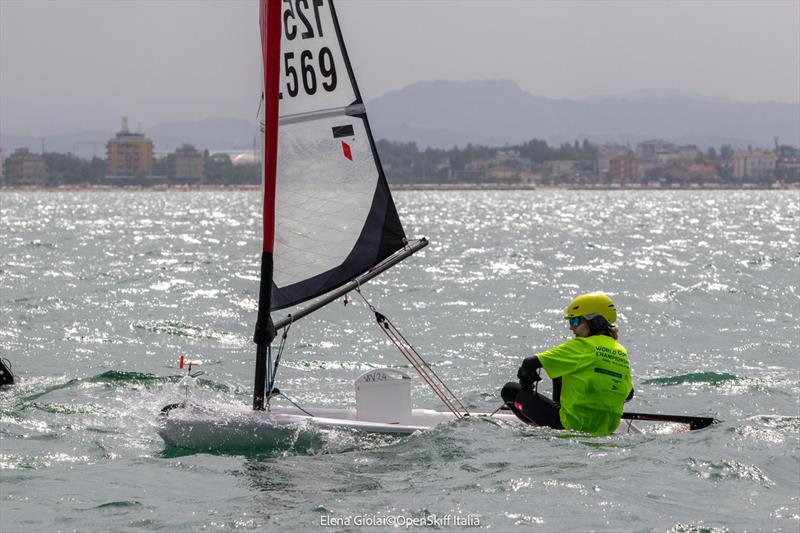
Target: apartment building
pixel 129 154
pixel 754 163
pixel 186 164
pixel 26 168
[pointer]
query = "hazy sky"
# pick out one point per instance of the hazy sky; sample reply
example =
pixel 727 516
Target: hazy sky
pixel 67 64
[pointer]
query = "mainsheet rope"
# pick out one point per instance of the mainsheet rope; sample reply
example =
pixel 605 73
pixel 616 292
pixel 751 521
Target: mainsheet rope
pixel 271 390
pixel 428 374
pixel 425 370
pixel 271 384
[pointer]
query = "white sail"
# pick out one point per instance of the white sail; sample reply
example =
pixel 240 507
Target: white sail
pixel 334 215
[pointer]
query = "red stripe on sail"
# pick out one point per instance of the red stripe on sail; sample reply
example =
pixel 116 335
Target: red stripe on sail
pixel 346 150
pixel 270 22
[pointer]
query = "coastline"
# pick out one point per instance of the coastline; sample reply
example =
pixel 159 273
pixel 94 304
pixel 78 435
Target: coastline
pixel 418 187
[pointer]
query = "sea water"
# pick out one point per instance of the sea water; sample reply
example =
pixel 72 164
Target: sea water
pixel 102 292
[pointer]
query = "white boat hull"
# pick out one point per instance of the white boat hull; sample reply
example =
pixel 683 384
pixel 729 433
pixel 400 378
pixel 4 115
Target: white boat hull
pixel 202 428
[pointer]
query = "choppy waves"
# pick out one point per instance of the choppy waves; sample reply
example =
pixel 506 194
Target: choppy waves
pixel 101 293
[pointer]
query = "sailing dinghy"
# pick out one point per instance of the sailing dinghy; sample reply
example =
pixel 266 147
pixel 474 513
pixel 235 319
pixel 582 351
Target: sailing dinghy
pixel 329 225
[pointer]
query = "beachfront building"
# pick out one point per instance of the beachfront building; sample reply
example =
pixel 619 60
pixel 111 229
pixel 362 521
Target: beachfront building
pixel 754 163
pixel 502 173
pixel 563 168
pixel 505 156
pixel 787 167
pixel 444 169
pixel 26 168
pixel 688 152
pixel 186 165
pixel 655 149
pixel 129 154
pixel 604 155
pixel 624 168
pixel 702 173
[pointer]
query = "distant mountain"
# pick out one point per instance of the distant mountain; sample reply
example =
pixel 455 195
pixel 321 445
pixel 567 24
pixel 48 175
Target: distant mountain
pixel 657 92
pixel 447 113
pixel 444 114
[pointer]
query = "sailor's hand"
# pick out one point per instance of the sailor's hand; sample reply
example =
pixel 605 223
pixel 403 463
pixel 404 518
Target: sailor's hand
pixel 528 376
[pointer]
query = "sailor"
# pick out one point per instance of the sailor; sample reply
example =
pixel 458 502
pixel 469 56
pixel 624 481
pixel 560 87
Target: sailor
pixel 591 375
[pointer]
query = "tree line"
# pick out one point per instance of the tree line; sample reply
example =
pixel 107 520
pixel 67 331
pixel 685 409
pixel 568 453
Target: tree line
pixel 403 163
pixel 406 163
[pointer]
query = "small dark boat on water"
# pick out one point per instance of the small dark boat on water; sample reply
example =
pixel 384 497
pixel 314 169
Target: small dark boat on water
pixel 6 377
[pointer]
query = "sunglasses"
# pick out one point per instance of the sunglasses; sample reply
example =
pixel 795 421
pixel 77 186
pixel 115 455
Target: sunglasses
pixel 574 321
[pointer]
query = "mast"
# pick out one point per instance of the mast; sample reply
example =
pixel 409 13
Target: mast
pixel 329 218
pixel 270 24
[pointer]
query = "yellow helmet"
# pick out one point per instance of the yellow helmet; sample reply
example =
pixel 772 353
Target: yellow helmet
pixel 592 304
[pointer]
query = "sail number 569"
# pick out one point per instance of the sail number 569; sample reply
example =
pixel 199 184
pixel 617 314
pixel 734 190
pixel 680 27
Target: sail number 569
pixel 307 75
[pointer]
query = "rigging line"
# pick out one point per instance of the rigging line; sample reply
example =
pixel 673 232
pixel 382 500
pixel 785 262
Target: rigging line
pixel 425 371
pixel 404 350
pixel 498 409
pixel 358 290
pixel 432 371
pixel 270 379
pixel 420 365
pixel 281 346
pixel 260 102
pixel 413 357
pixel 278 392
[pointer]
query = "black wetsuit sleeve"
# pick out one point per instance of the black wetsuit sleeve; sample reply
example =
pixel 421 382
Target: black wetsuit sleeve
pixel 531 363
pixel 557 390
pixel 630 396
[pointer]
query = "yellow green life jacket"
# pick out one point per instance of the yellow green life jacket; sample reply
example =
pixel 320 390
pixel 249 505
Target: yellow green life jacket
pixel 596 381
